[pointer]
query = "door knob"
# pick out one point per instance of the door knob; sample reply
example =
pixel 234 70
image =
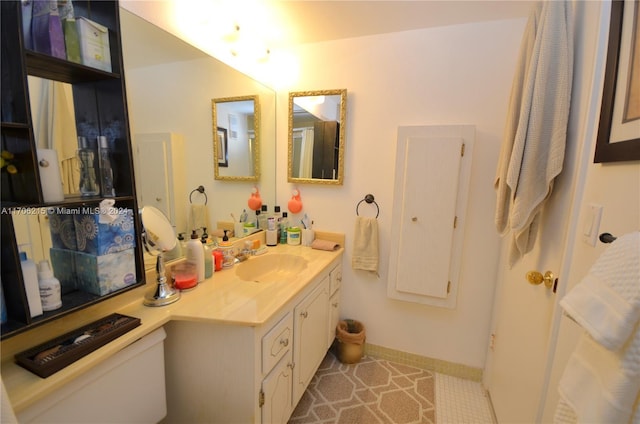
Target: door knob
pixel 535 277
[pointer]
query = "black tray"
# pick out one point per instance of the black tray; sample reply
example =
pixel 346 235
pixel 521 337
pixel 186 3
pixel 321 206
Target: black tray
pixel 52 356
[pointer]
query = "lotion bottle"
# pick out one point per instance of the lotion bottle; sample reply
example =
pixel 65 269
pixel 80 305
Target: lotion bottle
pixel 272 233
pixel 195 255
pixel 50 295
pixel 30 277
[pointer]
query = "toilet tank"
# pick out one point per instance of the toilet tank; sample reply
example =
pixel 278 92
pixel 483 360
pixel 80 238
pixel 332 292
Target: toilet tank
pixel 129 387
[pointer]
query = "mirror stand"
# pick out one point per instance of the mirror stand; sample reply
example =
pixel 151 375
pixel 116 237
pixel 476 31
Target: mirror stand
pixel 164 294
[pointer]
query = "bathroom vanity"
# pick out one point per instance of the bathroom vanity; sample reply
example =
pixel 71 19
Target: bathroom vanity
pixel 236 350
pixel 255 367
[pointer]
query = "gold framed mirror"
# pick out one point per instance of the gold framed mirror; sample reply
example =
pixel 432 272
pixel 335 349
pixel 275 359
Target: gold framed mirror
pixel 317 128
pixel 236 138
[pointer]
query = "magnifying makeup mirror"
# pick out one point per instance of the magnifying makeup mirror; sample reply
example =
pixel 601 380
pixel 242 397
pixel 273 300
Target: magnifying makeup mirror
pixel 158 237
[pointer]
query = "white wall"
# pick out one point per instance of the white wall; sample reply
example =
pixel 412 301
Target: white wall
pixel 449 75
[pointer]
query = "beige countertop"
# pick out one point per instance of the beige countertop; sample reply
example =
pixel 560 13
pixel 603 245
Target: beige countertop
pixel 223 298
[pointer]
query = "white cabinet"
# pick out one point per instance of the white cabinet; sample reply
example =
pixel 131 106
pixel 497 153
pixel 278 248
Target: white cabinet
pixel 275 397
pixel 127 387
pixel 433 170
pixel 311 320
pixel 334 303
pixel 224 373
pixel 277 386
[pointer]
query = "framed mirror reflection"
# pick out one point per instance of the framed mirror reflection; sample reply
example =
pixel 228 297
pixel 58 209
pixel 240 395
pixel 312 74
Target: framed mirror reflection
pixel 236 138
pixel 317 128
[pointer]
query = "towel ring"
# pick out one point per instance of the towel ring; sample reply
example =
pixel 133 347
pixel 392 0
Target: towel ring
pixel 200 189
pixel 369 199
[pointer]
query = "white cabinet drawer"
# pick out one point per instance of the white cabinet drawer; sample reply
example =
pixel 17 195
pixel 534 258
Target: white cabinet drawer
pixel 336 278
pixel 276 343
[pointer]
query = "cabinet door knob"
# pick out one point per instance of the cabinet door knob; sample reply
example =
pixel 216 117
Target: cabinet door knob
pixel 335 304
pixel 284 342
pixel 291 365
pixel 304 314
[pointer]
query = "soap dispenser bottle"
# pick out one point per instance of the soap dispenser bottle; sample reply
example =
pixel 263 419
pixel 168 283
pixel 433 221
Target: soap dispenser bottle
pixel 49 287
pixel 208 258
pixel 284 224
pixel 195 255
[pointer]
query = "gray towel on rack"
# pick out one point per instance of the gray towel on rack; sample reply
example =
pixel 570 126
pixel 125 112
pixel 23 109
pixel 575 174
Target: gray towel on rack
pixel 365 244
pixel 533 147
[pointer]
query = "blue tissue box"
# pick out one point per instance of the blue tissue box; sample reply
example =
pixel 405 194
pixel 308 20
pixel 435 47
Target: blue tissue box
pixel 102 239
pixel 63 231
pixel 63 262
pixel 107 273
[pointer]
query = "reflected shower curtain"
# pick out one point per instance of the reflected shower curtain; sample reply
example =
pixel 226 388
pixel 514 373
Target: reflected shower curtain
pixel 55 128
pixel 306 155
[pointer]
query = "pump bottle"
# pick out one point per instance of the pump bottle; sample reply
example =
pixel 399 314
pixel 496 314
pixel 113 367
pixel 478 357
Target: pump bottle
pixel 208 258
pixel 284 224
pixel 195 255
pixel 49 287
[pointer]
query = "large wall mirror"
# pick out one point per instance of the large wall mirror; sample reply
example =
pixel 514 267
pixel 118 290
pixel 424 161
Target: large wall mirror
pixel 170 88
pixel 317 128
pixel 236 138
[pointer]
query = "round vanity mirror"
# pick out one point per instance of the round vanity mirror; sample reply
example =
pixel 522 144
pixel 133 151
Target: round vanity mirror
pixel 158 237
pixel 158 232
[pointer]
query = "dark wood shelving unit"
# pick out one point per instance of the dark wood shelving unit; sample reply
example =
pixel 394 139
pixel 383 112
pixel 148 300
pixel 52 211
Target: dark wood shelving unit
pixel 101 109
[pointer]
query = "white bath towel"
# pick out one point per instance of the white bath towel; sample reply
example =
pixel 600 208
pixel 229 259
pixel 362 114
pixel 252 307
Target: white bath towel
pixel 600 385
pixel 601 382
pixel 198 217
pixel 365 244
pixel 535 134
pixel 606 303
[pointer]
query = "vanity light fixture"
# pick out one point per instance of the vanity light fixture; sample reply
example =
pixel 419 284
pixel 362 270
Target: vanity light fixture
pixel 246 46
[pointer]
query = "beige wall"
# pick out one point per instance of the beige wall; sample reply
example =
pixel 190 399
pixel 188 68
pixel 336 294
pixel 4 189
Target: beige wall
pixel 449 75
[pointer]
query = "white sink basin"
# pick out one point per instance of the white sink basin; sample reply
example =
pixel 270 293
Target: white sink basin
pixel 271 268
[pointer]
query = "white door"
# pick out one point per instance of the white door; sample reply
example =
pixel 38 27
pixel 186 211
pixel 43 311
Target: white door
pixel 153 162
pixel 523 326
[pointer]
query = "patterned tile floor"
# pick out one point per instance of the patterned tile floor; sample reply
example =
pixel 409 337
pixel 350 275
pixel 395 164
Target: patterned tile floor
pixel 379 391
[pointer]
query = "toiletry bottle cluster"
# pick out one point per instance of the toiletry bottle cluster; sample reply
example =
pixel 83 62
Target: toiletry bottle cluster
pixel 96 167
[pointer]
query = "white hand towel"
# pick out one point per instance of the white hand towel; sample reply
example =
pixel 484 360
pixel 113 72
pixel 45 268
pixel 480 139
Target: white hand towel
pixel 199 217
pixel 365 244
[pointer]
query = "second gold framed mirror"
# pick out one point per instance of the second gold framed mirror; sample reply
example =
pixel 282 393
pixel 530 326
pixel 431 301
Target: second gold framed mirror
pixel 317 128
pixel 236 138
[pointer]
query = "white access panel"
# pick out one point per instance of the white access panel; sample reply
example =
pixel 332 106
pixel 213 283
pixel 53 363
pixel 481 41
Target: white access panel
pixel 431 185
pixel 430 181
